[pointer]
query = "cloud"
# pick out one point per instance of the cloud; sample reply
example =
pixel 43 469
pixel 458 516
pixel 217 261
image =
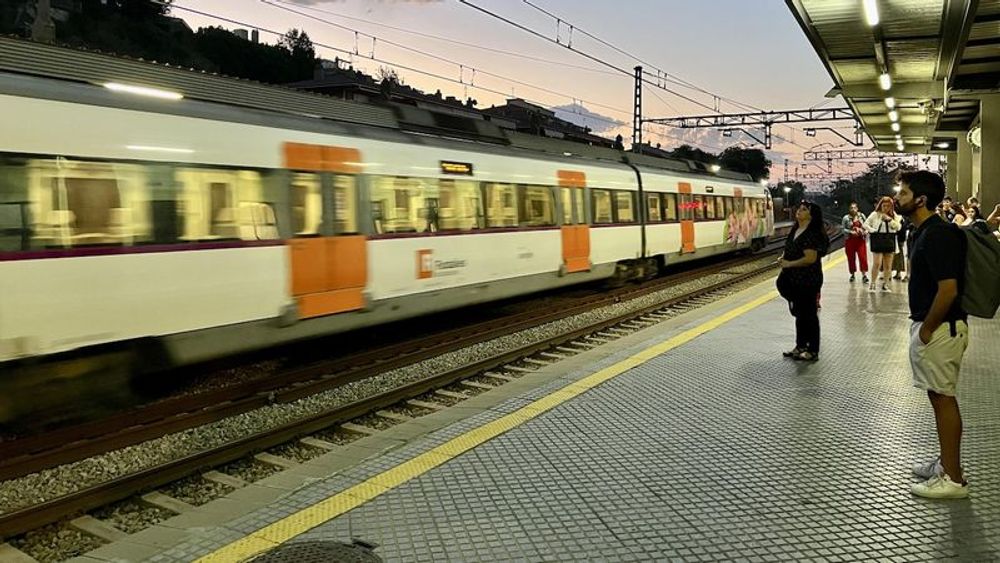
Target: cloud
pixel 579 115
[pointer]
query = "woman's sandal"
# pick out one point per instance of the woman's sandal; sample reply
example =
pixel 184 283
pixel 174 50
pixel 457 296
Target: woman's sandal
pixel 806 356
pixel 792 353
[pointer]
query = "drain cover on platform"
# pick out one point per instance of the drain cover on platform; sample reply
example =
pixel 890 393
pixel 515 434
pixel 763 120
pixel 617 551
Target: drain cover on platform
pixel 320 552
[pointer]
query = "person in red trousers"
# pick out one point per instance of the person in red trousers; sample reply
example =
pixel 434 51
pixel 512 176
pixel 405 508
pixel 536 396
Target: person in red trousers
pixel 854 229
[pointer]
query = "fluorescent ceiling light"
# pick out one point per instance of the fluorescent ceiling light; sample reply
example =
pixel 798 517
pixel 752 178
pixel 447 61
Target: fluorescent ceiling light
pixel 894 115
pixel 890 102
pixel 871 12
pixel 885 81
pixel 143 91
pixel 895 127
pixel 149 148
pixel 942 145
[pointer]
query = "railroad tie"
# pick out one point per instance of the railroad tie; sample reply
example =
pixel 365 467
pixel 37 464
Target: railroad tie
pixel 452 394
pixel 276 461
pixel 160 500
pixel 224 479
pixel 98 528
pixel 317 443
pixel 498 376
pixel 11 554
pixel 426 404
pixel 476 385
pixel 359 428
pixel 398 417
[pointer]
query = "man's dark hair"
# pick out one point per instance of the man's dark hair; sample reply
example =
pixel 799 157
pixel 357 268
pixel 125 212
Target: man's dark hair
pixel 925 183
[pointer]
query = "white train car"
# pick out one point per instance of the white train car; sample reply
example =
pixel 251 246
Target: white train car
pixel 190 230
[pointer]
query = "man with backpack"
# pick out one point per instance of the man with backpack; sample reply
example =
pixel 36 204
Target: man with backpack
pixel 939 334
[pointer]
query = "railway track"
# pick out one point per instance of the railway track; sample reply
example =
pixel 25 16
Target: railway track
pixel 537 353
pixel 37 452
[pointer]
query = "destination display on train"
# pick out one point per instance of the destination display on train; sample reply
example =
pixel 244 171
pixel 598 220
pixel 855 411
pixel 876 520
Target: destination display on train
pixel 462 168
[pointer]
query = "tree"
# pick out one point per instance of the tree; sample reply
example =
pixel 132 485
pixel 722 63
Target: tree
pixel 298 44
pixel 796 192
pixel 750 161
pixel 389 74
pixel 687 152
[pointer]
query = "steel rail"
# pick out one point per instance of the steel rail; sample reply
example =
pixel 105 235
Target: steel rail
pixel 29 518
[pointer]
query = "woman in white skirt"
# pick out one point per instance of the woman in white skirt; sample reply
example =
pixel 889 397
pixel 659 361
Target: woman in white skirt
pixel 882 226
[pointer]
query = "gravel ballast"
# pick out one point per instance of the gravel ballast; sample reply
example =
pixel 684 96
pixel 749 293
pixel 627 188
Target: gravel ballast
pixel 59 481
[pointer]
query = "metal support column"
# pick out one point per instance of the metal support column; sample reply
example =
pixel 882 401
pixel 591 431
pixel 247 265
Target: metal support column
pixel 637 111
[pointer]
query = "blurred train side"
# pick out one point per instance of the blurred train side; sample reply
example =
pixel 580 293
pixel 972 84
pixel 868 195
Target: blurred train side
pixel 197 231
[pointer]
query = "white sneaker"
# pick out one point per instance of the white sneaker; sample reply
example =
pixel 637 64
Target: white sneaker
pixel 940 486
pixel 928 469
pixel 885 289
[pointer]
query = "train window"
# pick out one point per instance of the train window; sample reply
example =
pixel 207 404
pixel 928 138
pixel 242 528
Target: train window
pixel 653 211
pixel 566 194
pixel 86 203
pixel 501 205
pixel 224 204
pixel 307 204
pixel 537 206
pixel 720 207
pixel 670 207
pixel 601 204
pixel 625 207
pixel 459 207
pixel 698 205
pixel 15 234
pixel 578 207
pixel 685 207
pixel 345 204
pixel 396 205
pixel 709 207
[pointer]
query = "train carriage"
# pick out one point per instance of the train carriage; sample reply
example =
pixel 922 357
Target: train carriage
pixel 209 230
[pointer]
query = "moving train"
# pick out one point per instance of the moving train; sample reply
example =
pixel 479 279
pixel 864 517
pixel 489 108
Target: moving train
pixel 152 218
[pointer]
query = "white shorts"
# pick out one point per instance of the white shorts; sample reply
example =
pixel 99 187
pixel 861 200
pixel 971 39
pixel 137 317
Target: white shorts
pixel 937 363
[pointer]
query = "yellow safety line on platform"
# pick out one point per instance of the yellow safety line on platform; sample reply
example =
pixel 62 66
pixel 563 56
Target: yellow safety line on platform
pixel 290 526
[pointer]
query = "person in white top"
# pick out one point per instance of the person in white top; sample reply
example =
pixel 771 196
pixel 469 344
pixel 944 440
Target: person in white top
pixel 882 225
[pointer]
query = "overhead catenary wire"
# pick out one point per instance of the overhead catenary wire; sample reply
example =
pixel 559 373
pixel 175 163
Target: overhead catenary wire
pixel 660 74
pixel 673 78
pixel 462 65
pixel 384 61
pixel 596 117
pixel 448 39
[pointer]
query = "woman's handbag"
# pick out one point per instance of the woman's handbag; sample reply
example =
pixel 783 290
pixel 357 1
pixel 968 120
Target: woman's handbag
pixel 883 243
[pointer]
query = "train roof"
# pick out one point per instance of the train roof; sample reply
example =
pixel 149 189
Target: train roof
pixel 23 57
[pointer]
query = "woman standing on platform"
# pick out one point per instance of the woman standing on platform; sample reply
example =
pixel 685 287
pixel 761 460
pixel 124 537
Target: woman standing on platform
pixel 882 226
pixel 801 278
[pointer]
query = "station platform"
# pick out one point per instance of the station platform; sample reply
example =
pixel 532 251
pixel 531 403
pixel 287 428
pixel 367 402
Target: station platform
pixel 692 440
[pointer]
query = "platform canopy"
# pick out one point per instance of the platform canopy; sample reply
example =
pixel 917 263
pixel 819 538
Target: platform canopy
pixel 928 60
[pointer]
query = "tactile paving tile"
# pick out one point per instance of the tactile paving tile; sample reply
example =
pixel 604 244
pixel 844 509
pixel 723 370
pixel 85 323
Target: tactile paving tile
pixel 719 449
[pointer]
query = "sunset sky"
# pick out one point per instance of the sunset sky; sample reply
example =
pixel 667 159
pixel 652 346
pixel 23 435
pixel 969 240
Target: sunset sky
pixel 750 51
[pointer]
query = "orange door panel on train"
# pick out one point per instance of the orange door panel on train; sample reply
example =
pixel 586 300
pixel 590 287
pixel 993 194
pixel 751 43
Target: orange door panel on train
pixel 575 230
pixel 686 215
pixel 328 273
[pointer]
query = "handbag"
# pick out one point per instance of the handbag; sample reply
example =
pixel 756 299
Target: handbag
pixel 883 243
